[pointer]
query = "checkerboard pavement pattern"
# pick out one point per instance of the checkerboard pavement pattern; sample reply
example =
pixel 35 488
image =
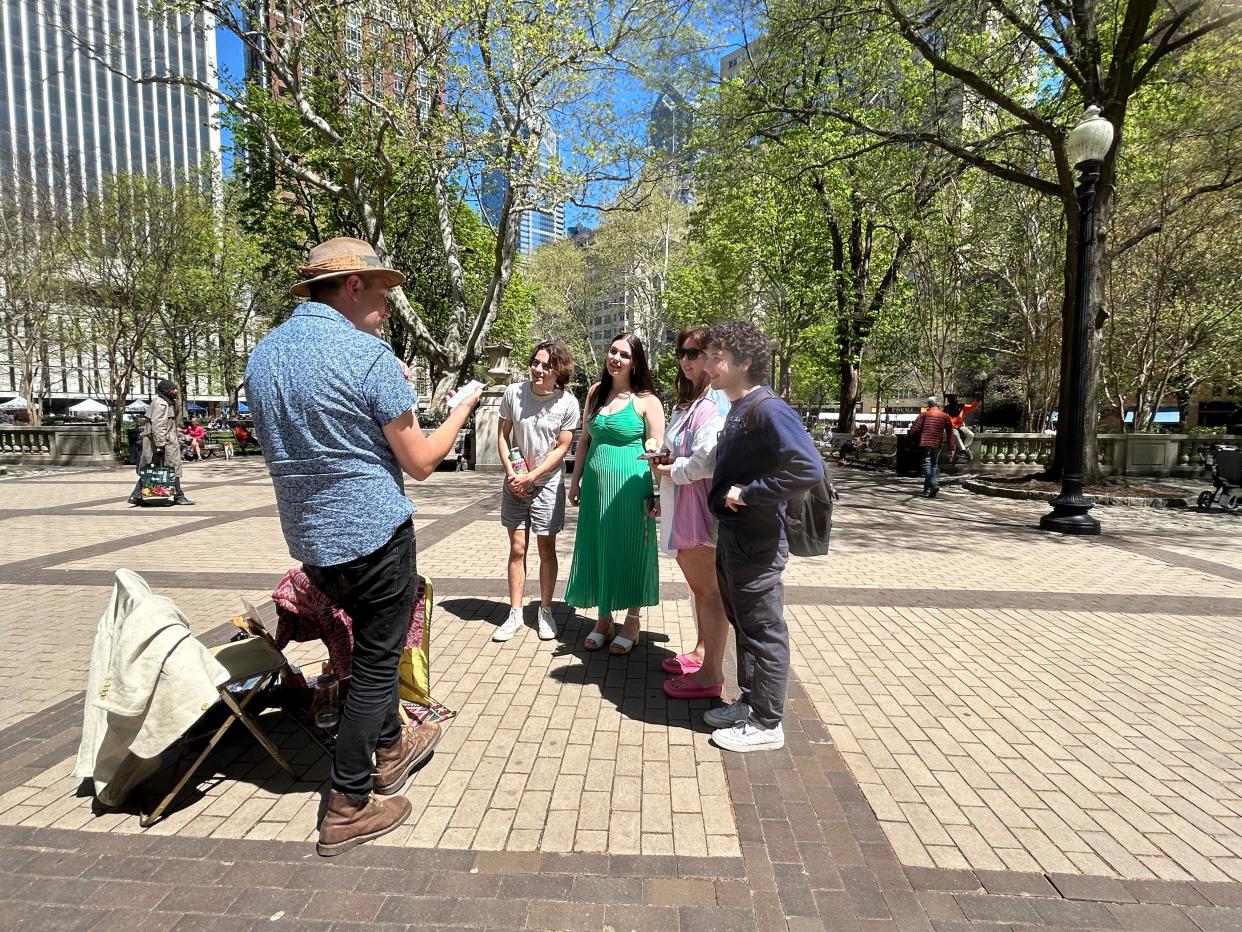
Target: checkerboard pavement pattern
pixel 989 728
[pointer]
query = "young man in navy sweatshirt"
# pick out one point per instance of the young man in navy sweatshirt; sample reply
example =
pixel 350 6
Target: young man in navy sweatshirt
pixel 764 457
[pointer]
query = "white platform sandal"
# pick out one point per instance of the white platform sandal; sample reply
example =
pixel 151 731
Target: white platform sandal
pixel 595 640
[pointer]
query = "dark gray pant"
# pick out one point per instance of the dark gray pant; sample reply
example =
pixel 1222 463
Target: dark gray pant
pixel 749 573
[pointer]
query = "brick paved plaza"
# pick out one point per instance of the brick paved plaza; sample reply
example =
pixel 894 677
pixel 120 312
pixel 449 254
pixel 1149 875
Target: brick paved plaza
pixel 991 728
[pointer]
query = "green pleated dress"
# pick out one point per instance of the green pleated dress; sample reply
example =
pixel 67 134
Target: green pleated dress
pixel 614 564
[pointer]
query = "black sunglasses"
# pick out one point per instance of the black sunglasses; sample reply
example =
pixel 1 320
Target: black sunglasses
pixel 692 354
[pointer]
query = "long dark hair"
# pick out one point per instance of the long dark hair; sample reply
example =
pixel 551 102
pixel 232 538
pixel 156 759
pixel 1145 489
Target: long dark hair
pixel 640 373
pixel 688 391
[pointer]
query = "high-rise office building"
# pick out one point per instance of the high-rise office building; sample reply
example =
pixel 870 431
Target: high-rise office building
pixel 669 127
pixel 67 122
pixel 670 124
pixel 538 225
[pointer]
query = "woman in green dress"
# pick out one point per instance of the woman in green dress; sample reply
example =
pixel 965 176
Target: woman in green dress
pixel 615 549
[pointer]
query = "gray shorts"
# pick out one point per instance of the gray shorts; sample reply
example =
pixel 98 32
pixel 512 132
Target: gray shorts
pixel 543 513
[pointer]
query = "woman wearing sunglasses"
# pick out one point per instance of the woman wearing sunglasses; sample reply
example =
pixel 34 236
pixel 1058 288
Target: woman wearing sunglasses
pixel 687 526
pixel 537 423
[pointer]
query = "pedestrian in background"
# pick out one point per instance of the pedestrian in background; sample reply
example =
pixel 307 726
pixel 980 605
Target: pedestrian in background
pixel 931 427
pixel 687 526
pixel 615 562
pixel 161 440
pixel 537 422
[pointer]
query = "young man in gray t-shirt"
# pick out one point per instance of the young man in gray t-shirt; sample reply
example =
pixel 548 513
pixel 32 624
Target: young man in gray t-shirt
pixel 537 418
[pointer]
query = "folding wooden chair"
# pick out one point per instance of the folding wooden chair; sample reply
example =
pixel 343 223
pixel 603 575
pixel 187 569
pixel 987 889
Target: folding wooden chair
pixel 252 665
pixel 255 622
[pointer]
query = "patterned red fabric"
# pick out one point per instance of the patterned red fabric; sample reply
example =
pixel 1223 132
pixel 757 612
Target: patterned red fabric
pixel 305 614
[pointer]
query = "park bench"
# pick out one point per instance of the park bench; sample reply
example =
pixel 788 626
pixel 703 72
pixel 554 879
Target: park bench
pixel 880 452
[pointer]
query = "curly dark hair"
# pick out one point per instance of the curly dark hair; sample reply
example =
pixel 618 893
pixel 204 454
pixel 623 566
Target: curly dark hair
pixel 559 359
pixel 746 342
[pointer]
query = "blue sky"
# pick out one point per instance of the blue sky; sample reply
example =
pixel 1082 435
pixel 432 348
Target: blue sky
pixel 632 103
pixel 231 61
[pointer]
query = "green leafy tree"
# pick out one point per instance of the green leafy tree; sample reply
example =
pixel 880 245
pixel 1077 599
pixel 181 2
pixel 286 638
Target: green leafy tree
pixel 557 272
pixel 1174 321
pixel 862 201
pixel 368 105
pixel 635 251
pixel 1018 78
pixel 129 241
pixel 32 260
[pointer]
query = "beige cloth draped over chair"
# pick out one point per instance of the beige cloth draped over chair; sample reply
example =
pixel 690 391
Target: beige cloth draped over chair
pixel 150 680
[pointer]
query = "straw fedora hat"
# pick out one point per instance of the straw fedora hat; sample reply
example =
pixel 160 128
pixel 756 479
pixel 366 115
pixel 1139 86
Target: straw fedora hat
pixel 343 255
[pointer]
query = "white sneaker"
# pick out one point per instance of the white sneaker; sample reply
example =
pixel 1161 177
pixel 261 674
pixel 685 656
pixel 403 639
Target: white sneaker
pixel 727 716
pixel 510 627
pixel 547 624
pixel 748 737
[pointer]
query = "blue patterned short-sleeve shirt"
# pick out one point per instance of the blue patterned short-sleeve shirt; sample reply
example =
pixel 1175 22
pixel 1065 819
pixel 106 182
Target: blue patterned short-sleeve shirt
pixel 321 393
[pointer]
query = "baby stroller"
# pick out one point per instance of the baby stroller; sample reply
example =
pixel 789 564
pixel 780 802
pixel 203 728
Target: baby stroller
pixel 1226 465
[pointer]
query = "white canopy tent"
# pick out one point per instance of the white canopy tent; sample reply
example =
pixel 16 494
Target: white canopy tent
pixel 89 406
pixel 14 404
pixel 137 407
pixel 861 418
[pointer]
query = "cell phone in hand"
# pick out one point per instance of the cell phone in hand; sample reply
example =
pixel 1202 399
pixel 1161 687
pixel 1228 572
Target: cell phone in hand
pixel 463 393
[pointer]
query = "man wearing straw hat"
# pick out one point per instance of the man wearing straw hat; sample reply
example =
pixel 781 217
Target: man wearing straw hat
pixel 337 416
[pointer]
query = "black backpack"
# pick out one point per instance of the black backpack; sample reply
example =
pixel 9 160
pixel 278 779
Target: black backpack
pixel 808 515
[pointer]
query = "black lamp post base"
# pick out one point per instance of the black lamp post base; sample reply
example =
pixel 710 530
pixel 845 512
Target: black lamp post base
pixel 1069 518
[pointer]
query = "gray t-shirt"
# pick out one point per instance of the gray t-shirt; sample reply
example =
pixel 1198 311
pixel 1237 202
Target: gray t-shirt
pixel 537 423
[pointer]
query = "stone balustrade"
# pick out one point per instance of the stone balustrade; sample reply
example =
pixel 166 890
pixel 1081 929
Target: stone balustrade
pixel 1002 453
pixel 67 445
pixel 996 453
pixel 1165 455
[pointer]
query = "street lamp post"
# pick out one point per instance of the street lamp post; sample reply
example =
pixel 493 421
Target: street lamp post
pixel 1085 148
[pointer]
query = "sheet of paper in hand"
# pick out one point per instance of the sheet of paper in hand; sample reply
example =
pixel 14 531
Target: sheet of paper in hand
pixel 463 393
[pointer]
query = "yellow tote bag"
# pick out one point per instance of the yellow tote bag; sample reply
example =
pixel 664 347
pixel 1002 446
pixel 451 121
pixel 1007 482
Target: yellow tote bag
pixel 415 669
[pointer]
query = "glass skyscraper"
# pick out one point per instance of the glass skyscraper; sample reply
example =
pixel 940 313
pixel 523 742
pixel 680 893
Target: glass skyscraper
pixel 67 122
pixel 537 226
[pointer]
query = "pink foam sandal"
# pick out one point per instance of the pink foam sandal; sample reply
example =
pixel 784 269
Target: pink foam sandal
pixel 680 665
pixel 682 687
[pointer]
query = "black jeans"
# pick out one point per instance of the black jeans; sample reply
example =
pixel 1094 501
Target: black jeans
pixel 377 592
pixel 749 573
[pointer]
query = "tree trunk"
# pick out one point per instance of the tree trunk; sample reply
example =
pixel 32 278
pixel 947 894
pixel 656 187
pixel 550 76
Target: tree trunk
pixel 784 371
pixel 34 405
pixel 850 384
pixel 1097 317
pixel 118 417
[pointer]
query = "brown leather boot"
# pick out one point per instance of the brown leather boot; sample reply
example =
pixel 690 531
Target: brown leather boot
pixel 347 823
pixel 397 762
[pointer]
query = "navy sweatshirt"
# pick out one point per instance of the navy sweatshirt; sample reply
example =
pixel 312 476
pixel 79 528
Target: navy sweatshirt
pixel 771 460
